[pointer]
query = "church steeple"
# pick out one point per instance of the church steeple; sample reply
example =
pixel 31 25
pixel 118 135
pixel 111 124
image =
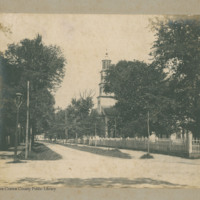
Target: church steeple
pixel 106 55
pixel 104 100
pixel 106 62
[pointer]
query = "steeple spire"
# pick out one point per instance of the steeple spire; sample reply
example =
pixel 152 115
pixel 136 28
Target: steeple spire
pixel 106 54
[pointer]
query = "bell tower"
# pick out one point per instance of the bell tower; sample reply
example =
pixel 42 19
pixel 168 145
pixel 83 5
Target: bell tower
pixel 104 100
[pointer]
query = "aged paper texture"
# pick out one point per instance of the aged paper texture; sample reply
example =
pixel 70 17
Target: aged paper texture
pixel 88 33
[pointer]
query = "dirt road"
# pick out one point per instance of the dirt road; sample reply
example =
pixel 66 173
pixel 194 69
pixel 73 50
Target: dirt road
pixel 86 167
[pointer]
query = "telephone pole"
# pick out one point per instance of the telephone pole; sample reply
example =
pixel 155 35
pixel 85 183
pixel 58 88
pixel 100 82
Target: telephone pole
pixel 95 131
pixel 18 102
pixel 115 127
pixel 66 130
pixel 27 121
pixel 148 129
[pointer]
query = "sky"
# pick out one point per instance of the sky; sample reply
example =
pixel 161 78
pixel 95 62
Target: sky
pixel 84 40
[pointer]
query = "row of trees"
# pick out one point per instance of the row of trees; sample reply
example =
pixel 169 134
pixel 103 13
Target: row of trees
pixel 43 66
pixel 79 119
pixel 168 88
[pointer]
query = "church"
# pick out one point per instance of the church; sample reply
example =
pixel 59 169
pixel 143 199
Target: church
pixel 105 101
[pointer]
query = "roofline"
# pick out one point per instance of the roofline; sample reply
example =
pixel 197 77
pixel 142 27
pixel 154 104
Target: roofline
pixel 103 70
pixel 110 97
pixel 106 59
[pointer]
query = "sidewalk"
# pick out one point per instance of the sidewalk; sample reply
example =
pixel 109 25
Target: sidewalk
pixel 9 153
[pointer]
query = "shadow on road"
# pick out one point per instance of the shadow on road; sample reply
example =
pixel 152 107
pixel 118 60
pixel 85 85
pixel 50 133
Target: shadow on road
pixel 97 182
pixel 40 152
pixel 105 152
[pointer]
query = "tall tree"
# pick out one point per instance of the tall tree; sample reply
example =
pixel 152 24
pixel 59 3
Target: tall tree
pixel 57 125
pixel 176 51
pixel 77 116
pixel 80 119
pixel 43 66
pixel 138 88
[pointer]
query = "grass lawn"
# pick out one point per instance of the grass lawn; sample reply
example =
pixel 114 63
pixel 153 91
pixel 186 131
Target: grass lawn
pixel 111 152
pixel 40 152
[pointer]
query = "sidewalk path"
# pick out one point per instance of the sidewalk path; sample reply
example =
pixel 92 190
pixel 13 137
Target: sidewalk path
pixel 10 152
pixel 79 168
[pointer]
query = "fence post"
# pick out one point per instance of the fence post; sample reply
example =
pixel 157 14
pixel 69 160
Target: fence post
pixel 189 138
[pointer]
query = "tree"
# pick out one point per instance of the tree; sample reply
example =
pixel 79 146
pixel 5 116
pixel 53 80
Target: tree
pixel 138 88
pixel 176 51
pixel 57 128
pixel 43 66
pixel 96 122
pixel 79 118
pixel 78 114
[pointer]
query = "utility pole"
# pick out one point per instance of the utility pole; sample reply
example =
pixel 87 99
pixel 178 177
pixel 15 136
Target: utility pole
pixel 16 136
pixel 95 131
pixel 18 102
pixel 30 139
pixel 66 131
pixel 106 127
pixel 148 129
pixel 27 121
pixel 76 129
pixel 115 126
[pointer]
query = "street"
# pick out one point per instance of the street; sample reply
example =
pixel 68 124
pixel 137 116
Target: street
pixel 82 167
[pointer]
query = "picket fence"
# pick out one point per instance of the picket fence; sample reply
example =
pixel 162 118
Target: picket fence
pixel 195 147
pixel 181 147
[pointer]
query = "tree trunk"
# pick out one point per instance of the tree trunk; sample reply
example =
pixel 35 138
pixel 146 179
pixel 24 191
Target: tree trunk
pixel 3 143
